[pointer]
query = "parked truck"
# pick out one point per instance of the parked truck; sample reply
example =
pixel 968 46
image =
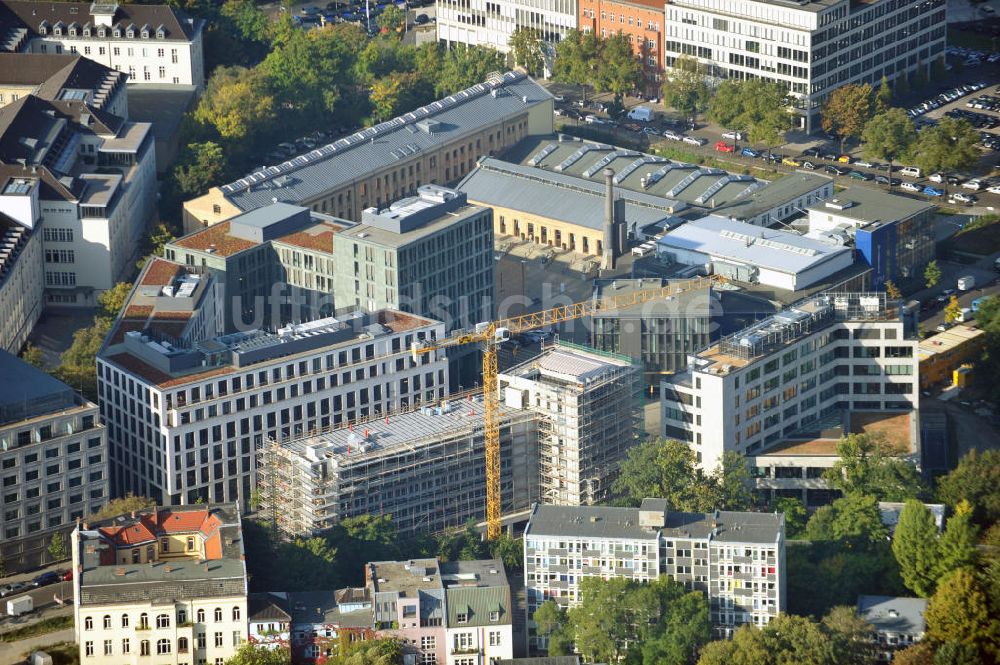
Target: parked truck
pixel 641 113
pixel 966 283
pixel 20 605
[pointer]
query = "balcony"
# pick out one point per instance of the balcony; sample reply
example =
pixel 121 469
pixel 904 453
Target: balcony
pixel 464 651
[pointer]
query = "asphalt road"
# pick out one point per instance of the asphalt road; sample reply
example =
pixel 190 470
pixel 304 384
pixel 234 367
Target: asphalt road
pixel 43 597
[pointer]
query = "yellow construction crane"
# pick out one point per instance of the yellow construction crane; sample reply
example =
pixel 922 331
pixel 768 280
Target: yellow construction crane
pixel 493 333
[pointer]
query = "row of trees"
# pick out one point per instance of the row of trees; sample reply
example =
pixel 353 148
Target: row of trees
pixel 606 65
pixel 861 112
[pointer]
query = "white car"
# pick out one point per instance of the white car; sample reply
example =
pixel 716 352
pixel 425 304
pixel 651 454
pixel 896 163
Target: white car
pixel 964 198
pixel 733 136
pixel 995 189
pixel 593 120
pixel 863 163
pixel 936 177
pixel 695 140
pixel 974 185
pixel 673 136
pixel 911 187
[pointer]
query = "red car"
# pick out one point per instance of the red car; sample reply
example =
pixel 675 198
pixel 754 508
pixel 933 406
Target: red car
pixel 68 575
pixel 722 146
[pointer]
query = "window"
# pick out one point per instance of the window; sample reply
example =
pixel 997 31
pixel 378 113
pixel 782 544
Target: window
pixel 462 617
pixel 237 638
pixel 182 645
pixel 124 621
pixel 143 620
pixel 164 544
pixel 108 649
pixel 200 616
pixel 88 648
pixel 126 646
pixel 162 646
pixel 190 548
pixel 163 621
pixel 218 639
pixel 494 616
pixel 236 614
pixel 218 614
pixel 107 621
pixel 144 648
pixel 494 638
pixel 88 623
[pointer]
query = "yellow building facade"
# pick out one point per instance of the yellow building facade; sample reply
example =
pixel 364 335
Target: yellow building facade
pixel 943 353
pixel 521 225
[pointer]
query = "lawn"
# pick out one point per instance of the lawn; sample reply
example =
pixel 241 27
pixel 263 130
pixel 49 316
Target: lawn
pixel 981 236
pixel 39 628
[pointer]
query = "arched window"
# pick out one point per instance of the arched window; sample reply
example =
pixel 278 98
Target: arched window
pixel 218 614
pixel 163 621
pixel 107 621
pixel 124 621
pixel 200 616
pixel 182 645
pixel 236 614
pixel 162 646
pixel 143 621
pixel 144 648
pixel 88 623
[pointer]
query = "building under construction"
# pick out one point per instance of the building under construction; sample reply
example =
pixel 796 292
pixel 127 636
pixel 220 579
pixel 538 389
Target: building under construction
pixel 567 418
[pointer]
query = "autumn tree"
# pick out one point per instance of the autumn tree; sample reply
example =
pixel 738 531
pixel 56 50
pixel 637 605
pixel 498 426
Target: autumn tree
pixel 785 639
pixel 889 136
pixel 915 545
pixel 882 100
pixel 976 479
pixel 932 274
pixel 234 104
pixel 685 87
pixel 397 93
pixel 850 636
pixel 78 366
pixel 122 506
pixel 464 66
pixel 256 654
pixel 392 20
pixel 33 355
pixel 527 50
pixel 892 290
pixel 950 145
pixel 552 624
pixel 57 547
pixel 847 111
pixel 957 545
pixel 953 310
pixel 758 107
pixel 959 611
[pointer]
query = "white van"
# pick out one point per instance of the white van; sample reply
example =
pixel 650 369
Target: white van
pixel 966 314
pixel 910 171
pixel 641 113
pixel 965 283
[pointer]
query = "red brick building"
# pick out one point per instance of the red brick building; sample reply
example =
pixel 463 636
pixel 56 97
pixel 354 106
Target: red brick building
pixel 642 21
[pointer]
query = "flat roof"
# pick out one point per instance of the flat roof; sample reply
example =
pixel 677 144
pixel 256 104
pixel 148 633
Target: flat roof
pixel 772 249
pixel 948 340
pixel 100 189
pixel 869 205
pixel 128 139
pixel 405 577
pixel 28 392
pixel 894 614
pixel 682 303
pixel 897 428
pixel 778 192
pixel 386 238
pixel 563 363
pixel 216 238
pixel 558 196
pixel 389 143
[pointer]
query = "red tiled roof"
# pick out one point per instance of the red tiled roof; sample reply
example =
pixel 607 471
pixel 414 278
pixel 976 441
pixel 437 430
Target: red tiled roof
pixel 149 526
pixel 133 534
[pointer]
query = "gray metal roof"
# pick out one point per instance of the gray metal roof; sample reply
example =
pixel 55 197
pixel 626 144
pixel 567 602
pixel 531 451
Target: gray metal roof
pixel 772 249
pixel 623 523
pixel 894 614
pixel 871 205
pixel 685 304
pixel 28 392
pixel 558 196
pixel 476 589
pixel 776 194
pixel 309 175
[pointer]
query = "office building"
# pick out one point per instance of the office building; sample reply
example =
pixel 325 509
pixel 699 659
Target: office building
pixel 62 77
pixel 813 47
pixel 435 144
pixel 151 43
pixel 85 181
pixel 898 622
pixel 893 235
pixel 168 584
pixel 22 274
pixel 186 416
pixel 798 370
pixel 589 409
pixel 753 254
pixel 452 613
pixel 493 24
pixel 426 468
pixel 658 335
pixel 943 353
pixel 641 21
pixel 736 558
pixel 53 461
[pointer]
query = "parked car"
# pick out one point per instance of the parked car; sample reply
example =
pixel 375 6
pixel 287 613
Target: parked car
pixel 810 152
pixel 910 187
pixel 67 575
pixel 809 165
pixel 750 152
pixel 995 189
pixel 673 136
pixel 936 177
pixel 11 589
pixel 593 120
pixel 694 140
pixel 910 171
pixel 974 184
pixel 788 161
pixel 864 164
pixel 650 130
pixel 421 19
pixel 722 146
pixel 733 136
pixel 931 191
pixel 964 198
pixel 830 157
pixel 845 159
pixel 46 579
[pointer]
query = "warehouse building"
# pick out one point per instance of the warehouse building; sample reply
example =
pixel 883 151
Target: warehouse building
pixel 435 144
pixel 893 235
pixel 748 253
pixel 943 353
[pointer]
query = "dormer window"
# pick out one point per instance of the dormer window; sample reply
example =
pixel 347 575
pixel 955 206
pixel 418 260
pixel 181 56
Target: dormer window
pixel 43 28
pixel 72 32
pixel 130 34
pixel 145 34
pixel 57 31
pixel 102 33
pixel 161 33
pixel 86 32
pixel 118 32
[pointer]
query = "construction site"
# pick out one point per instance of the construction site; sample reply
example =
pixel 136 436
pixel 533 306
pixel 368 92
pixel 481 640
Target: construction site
pixel 567 418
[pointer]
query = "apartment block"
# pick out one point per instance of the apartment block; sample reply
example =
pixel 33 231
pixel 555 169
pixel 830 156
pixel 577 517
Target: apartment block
pixel 65 77
pixel 658 335
pixel 185 419
pixel 22 280
pixel 53 461
pixel 589 414
pixel 492 24
pixel 641 21
pixel 736 558
pixel 150 43
pixel 435 144
pixel 426 468
pixel 452 613
pixel 168 585
pixel 813 47
pixel 827 358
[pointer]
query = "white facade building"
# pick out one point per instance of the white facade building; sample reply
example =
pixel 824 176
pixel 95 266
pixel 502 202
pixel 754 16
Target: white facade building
pixel 813 47
pixel 151 43
pixel 736 558
pixel 491 24
pixel 186 416
pixel 812 363
pixel 168 585
pixel 22 278
pixel 53 461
